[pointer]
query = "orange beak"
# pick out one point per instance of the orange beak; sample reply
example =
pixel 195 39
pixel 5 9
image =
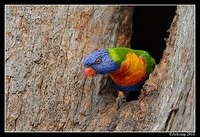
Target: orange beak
pixel 89 72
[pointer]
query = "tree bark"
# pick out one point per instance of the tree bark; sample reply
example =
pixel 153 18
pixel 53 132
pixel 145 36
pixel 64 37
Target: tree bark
pixel 46 89
pixel 171 103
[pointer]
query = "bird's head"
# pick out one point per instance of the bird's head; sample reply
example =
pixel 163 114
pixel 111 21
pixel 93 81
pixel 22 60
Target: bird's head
pixel 99 62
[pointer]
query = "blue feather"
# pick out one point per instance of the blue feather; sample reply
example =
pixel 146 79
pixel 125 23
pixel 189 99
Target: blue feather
pixel 133 88
pixel 107 65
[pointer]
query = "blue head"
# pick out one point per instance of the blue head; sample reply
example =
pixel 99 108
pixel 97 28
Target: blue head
pixel 99 62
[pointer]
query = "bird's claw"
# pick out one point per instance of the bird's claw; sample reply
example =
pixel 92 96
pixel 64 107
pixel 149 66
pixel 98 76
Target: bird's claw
pixel 119 101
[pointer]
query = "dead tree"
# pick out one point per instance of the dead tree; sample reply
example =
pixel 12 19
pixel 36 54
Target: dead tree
pixel 46 90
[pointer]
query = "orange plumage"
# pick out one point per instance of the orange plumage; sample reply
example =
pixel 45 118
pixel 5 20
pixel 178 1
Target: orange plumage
pixel 131 72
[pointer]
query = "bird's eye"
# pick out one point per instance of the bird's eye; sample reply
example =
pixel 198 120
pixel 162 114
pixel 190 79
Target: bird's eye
pixel 98 60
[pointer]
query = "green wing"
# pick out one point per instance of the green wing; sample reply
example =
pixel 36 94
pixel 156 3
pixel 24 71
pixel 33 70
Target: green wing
pixel 119 54
pixel 148 58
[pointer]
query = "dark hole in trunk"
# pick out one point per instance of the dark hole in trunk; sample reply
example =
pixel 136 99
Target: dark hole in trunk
pixel 150 25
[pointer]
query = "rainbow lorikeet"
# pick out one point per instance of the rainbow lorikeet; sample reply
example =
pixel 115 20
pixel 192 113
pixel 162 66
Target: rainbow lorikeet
pixel 128 68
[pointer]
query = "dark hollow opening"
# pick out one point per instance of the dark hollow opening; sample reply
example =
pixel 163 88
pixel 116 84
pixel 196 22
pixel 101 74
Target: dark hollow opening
pixel 150 25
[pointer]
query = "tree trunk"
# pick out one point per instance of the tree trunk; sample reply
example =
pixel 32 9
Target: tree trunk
pixel 46 89
pixel 174 78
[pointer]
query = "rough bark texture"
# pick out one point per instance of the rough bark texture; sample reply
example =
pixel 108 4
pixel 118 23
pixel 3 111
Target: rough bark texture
pixel 171 103
pixel 46 89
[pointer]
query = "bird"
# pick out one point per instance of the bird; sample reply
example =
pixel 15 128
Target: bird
pixel 128 68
